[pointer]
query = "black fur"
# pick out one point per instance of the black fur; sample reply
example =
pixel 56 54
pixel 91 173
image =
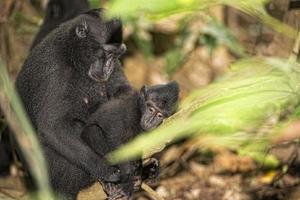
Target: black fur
pixel 118 121
pixel 59 95
pixel 5 153
pixel 57 12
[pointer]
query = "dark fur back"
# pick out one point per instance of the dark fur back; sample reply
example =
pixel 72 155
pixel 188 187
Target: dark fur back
pixel 57 12
pixel 121 114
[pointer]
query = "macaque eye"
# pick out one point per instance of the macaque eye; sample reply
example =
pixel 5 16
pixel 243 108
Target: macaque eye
pixel 151 109
pixel 159 115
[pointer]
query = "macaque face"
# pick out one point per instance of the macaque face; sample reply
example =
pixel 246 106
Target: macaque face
pixel 105 61
pixel 152 116
pixel 99 46
pixel 159 103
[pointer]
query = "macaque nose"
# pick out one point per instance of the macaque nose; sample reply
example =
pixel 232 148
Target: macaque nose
pixel 148 126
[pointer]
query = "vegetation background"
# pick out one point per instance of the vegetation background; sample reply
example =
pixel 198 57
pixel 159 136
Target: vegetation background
pixel 236 133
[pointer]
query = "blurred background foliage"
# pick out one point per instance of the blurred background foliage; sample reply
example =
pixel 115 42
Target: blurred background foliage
pixel 242 101
pixel 236 63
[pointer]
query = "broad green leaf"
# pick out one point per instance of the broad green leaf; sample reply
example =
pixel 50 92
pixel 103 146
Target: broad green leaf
pixel 157 9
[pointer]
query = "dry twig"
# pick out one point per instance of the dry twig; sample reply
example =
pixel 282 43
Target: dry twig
pixel 151 192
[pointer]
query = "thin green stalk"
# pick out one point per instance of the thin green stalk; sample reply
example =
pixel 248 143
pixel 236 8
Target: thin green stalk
pixel 13 111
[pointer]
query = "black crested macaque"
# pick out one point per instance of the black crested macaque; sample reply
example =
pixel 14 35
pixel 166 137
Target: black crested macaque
pixel 63 80
pixel 119 120
pixel 57 12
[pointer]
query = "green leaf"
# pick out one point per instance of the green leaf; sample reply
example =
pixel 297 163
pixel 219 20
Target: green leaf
pixel 157 9
pixel 174 59
pixel 222 35
pixel 145 45
pixel 210 42
pixel 95 3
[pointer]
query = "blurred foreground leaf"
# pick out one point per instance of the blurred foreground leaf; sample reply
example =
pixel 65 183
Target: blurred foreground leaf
pixel 243 106
pixel 95 3
pixel 24 134
pixel 157 9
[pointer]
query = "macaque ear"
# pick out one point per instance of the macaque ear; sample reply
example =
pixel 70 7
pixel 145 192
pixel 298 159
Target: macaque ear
pixel 82 30
pixel 143 91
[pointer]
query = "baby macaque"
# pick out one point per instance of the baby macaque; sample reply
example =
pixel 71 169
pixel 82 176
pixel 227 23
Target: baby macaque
pixel 119 120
